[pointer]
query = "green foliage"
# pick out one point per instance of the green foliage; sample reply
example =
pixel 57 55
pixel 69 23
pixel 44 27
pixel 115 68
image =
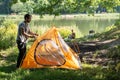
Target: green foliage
pixel 65 6
pixel 109 4
pixel 57 7
pixel 18 7
pixel 110 28
pixel 114 55
pixel 21 7
pixel 112 75
pixel 118 67
pixel 114 52
pixel 112 31
pixel 88 6
pixel 47 7
pixel 13 1
pixel 24 0
pixel 64 32
pixel 117 23
pixel 29 5
pixel 7 34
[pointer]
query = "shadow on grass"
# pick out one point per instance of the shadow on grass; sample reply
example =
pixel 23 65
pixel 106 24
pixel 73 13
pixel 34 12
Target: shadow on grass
pixel 8 72
pixel 63 74
pixel 8 63
pixel 58 74
pixel 8 69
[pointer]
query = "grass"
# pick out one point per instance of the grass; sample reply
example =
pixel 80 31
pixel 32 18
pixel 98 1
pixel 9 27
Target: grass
pixel 8 71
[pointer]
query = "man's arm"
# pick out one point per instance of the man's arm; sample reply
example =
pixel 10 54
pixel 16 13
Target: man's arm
pixel 33 33
pixel 27 35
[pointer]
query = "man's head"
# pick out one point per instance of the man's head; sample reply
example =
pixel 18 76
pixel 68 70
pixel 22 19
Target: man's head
pixel 27 18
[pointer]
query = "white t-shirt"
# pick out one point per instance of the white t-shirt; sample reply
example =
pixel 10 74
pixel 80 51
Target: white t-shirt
pixel 20 36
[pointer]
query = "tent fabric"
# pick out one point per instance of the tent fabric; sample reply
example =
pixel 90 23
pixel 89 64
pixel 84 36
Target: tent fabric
pixel 51 51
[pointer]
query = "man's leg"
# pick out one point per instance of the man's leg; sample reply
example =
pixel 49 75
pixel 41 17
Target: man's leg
pixel 22 52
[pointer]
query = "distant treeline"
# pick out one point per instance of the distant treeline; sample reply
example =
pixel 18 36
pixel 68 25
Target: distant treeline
pixel 5 8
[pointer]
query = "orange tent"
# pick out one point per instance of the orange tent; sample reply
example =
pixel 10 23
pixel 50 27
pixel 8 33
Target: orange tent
pixel 50 50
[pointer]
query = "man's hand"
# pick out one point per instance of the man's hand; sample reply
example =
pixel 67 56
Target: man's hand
pixel 36 34
pixel 34 37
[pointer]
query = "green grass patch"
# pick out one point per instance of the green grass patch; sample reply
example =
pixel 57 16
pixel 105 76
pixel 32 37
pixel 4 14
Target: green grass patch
pixel 8 71
pixel 8 59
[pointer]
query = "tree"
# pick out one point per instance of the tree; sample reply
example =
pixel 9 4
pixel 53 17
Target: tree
pixel 18 7
pixel 57 7
pixel 109 4
pixel 4 7
pixel 29 5
pixel 25 6
pixel 88 6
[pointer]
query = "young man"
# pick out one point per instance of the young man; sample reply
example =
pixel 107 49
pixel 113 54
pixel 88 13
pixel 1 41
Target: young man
pixel 23 34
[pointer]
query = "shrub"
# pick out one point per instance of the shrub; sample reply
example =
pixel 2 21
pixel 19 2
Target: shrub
pixel 114 55
pixel 64 32
pixel 114 52
pixel 117 23
pixel 118 67
pixel 7 34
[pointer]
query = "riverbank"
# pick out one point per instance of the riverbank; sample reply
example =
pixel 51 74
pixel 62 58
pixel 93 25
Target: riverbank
pixel 65 16
pixel 102 49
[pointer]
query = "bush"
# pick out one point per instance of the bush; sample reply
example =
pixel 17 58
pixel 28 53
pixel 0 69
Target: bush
pixel 8 33
pixel 114 55
pixel 114 52
pixel 117 23
pixel 64 32
pixel 118 67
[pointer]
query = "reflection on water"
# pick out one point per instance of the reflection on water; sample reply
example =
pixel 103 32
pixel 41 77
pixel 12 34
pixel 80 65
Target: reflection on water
pixel 83 25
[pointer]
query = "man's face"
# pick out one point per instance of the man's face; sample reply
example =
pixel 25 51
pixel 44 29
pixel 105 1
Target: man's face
pixel 28 19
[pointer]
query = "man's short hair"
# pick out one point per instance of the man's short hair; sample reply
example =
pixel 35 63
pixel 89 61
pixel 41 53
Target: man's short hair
pixel 27 16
